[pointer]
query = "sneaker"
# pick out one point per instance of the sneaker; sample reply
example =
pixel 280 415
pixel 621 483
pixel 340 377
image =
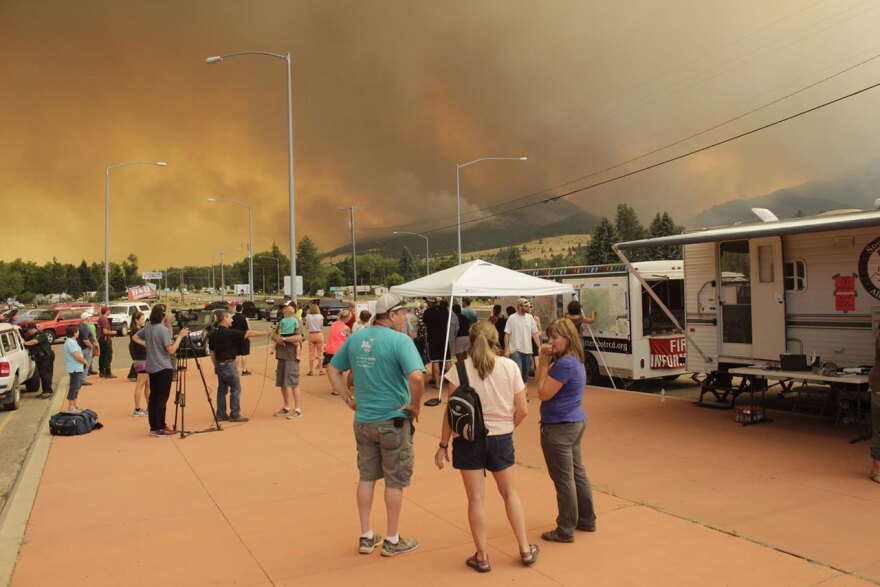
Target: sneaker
pixel 282 412
pixel 73 411
pixel 241 419
pixel 403 545
pixel 169 432
pixel 368 545
pixel 157 433
pixel 110 376
pixel 139 413
pixel 297 413
pixel 92 372
pixel 223 418
pixel 86 382
pixel 246 372
pixel 45 395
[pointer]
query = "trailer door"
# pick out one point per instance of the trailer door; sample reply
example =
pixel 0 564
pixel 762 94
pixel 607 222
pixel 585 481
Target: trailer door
pixel 768 298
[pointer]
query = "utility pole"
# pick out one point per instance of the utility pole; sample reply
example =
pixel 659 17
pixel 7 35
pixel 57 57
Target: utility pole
pixel 222 280
pixel 181 286
pixel 351 211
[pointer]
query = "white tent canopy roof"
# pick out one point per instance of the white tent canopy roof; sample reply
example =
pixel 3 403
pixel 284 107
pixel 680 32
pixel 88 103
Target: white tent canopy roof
pixel 480 279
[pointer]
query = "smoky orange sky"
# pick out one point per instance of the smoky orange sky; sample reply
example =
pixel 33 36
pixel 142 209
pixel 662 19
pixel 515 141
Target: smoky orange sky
pixel 388 96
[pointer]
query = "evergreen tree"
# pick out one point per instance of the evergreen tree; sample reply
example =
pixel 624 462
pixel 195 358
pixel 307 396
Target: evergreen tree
pixel 308 264
pixel 130 270
pixel 74 288
pixel 406 265
pixel 599 250
pixel 117 280
pixel 56 277
pixel 86 282
pixel 514 259
pixel 627 224
pixel 663 225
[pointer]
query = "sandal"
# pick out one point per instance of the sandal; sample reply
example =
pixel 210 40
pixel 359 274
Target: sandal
pixel 321 372
pixel 309 373
pixel 529 558
pixel 480 566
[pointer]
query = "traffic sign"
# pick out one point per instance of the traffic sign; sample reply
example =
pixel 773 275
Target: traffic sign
pixel 151 275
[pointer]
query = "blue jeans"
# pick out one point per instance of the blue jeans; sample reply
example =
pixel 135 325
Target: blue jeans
pixel 227 379
pixel 88 354
pixel 525 363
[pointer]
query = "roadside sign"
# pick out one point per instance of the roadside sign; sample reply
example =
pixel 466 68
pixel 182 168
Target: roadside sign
pixel 151 275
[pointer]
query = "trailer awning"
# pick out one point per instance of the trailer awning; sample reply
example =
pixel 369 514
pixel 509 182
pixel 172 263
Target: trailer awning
pixel 747 231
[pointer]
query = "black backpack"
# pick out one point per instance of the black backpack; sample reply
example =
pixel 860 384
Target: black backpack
pixel 69 424
pixel 464 410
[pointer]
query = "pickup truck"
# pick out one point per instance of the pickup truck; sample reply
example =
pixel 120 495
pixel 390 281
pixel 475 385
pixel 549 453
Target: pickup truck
pixel 329 310
pixel 16 368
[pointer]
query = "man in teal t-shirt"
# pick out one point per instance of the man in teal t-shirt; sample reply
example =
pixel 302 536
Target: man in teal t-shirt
pixel 388 381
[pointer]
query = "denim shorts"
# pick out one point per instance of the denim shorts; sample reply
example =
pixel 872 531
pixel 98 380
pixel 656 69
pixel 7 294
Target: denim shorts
pixel 494 453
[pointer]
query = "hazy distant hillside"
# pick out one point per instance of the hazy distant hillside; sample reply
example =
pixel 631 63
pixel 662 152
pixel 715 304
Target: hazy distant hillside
pixel 810 198
pixel 557 218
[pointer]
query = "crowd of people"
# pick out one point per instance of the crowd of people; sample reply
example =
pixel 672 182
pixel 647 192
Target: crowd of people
pixel 377 364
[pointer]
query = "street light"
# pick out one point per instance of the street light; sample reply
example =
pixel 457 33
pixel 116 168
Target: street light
pixel 458 188
pixel 250 241
pixel 427 258
pixel 107 220
pixel 286 57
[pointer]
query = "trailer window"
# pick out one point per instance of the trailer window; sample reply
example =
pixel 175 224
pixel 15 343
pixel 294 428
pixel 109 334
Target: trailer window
pixel 654 319
pixel 795 274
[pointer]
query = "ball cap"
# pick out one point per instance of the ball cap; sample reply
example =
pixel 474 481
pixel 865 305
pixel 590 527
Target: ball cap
pixel 85 315
pixel 523 302
pixel 390 302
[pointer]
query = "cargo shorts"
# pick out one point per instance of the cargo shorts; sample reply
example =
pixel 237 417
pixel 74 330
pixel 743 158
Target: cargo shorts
pixel 385 451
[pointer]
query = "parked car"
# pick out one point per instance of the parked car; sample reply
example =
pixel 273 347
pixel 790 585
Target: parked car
pixel 252 311
pixel 17 369
pixel 83 306
pixel 218 306
pixel 25 315
pixel 121 314
pixel 55 322
pixel 330 310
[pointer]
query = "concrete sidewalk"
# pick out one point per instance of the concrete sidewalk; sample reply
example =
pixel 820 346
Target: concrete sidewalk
pixel 684 496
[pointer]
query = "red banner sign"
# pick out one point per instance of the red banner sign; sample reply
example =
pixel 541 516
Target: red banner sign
pixel 667 353
pixel 844 283
pixel 140 292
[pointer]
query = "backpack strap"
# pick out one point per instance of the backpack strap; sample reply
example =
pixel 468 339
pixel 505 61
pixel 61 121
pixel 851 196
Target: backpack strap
pixel 462 374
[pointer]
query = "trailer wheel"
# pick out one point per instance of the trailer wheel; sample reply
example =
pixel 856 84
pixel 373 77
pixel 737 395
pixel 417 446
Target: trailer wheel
pixel 592 369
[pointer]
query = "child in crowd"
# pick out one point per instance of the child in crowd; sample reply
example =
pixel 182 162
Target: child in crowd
pixel 288 327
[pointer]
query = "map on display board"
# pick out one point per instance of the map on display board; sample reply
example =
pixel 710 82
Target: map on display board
pixel 609 297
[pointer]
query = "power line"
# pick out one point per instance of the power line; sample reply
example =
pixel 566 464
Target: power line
pixel 628 161
pixel 670 160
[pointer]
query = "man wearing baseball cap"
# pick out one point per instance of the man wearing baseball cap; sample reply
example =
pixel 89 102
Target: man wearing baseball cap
pixel 86 343
pixel 389 381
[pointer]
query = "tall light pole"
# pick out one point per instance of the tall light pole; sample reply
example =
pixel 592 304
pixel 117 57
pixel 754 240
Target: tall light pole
pixel 427 258
pixel 250 241
pixel 354 275
pixel 285 57
pixel 107 220
pixel 458 169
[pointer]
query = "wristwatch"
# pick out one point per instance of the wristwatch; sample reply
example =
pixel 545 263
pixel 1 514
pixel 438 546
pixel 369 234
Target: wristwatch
pixel 444 446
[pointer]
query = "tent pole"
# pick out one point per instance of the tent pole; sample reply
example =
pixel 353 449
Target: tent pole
pixel 601 354
pixel 435 401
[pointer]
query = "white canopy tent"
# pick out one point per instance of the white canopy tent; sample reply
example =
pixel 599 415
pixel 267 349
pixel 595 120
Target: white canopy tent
pixel 477 279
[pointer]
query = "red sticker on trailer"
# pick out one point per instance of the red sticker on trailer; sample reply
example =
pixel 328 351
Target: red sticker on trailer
pixel 844 283
pixel 845 303
pixel 667 353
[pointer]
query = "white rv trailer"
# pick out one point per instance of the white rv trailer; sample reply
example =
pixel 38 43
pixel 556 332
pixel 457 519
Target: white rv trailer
pixel 633 333
pixel 753 292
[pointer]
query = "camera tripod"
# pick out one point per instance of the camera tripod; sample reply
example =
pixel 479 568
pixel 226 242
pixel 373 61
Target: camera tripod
pixel 180 392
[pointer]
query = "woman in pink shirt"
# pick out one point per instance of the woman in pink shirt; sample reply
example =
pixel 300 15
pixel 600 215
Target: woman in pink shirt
pixel 338 333
pixel 498 382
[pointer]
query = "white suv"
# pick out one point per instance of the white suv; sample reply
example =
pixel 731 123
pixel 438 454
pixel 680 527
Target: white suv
pixel 121 314
pixel 16 367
